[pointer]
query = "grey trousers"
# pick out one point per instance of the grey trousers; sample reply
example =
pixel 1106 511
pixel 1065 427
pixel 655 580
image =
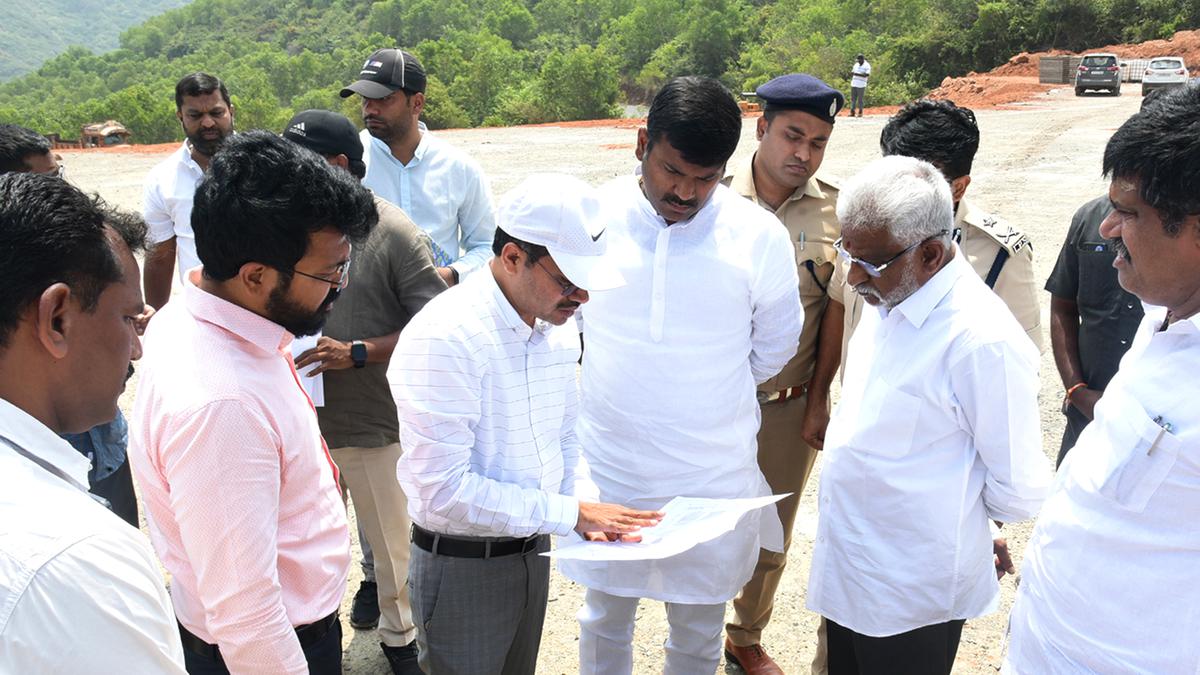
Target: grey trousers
pixel 857 95
pixel 477 616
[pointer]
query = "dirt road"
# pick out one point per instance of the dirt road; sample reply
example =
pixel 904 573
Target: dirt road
pixel 1038 161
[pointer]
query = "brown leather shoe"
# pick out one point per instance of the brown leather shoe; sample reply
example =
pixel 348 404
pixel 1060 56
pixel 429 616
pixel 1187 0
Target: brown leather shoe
pixel 753 660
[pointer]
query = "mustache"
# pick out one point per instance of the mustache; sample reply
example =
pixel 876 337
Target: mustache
pixel 863 289
pixel 1119 248
pixel 687 204
pixel 129 373
pixel 571 304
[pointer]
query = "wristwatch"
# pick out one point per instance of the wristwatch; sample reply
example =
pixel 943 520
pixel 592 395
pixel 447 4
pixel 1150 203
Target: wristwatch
pixel 358 352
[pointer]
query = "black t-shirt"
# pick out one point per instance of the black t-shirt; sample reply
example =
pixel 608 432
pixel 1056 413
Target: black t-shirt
pixel 1108 314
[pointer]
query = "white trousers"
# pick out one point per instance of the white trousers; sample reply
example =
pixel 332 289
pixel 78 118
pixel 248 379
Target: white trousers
pixel 693 645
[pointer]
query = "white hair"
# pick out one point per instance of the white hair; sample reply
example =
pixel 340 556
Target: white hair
pixel 904 196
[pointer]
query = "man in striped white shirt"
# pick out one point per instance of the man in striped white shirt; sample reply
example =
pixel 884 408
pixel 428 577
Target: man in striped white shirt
pixel 484 382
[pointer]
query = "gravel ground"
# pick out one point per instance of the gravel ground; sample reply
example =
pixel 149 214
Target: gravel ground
pixel 1037 163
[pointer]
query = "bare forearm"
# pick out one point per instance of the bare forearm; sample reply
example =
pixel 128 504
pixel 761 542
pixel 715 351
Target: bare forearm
pixel 157 273
pixel 1064 340
pixel 379 349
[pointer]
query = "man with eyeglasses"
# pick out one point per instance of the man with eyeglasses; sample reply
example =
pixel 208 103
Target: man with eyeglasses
pixel 394 276
pixel 930 440
pixel 484 381
pixel 240 490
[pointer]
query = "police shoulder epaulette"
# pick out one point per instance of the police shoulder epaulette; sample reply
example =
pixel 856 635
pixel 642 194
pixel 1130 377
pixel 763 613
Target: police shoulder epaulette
pixel 1009 238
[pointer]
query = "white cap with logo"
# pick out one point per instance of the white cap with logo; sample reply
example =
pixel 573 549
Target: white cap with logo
pixel 563 214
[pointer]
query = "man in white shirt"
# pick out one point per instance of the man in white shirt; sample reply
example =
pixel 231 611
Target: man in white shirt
pixel 484 381
pixel 935 434
pixel 1109 582
pixel 859 74
pixel 437 185
pixel 712 308
pixel 80 588
pixel 206 115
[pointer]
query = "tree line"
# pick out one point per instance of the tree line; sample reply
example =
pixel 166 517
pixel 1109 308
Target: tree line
pixel 501 62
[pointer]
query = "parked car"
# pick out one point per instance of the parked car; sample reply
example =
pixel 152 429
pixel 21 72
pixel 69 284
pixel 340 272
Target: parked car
pixel 1098 72
pixel 1164 71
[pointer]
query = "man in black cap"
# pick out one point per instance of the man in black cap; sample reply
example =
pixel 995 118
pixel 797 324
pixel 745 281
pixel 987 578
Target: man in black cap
pixel 438 186
pixel 394 277
pixel 797 122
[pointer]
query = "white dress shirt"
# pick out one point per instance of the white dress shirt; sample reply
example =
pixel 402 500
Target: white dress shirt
pixel 857 72
pixel 167 205
pixel 1109 579
pixel 711 308
pixel 80 590
pixel 935 434
pixel 445 193
pixel 487 410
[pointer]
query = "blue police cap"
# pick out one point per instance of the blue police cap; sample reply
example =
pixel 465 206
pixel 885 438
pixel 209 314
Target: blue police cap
pixel 799 91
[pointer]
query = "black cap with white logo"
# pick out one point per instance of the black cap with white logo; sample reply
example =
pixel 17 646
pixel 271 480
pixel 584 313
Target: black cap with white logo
pixel 325 133
pixel 386 71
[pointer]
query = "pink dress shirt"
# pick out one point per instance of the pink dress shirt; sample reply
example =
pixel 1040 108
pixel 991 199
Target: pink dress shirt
pixel 238 488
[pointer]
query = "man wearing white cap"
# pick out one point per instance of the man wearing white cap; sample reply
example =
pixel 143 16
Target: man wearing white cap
pixel 484 382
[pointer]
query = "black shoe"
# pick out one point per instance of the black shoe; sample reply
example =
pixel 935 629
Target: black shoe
pixel 403 660
pixel 364 613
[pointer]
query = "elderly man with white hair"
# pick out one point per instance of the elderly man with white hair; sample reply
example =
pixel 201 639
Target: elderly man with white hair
pixel 936 434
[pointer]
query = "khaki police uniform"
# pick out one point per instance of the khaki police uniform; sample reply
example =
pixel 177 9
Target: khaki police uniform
pixel 784 458
pixel 1001 255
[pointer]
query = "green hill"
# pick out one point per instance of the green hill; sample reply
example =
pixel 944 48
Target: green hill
pixel 520 61
pixel 32 31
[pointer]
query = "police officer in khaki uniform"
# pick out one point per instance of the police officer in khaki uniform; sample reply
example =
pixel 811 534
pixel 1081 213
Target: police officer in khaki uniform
pixel 793 131
pixel 947 136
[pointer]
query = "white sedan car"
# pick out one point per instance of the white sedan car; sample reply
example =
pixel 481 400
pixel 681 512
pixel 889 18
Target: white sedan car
pixel 1164 71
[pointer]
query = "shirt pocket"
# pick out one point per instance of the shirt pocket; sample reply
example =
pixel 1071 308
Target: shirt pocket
pixel 887 421
pixel 1097 277
pixel 814 267
pixel 1135 454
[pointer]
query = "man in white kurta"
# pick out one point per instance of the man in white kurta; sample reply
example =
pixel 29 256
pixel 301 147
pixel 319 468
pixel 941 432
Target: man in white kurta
pixel 671 360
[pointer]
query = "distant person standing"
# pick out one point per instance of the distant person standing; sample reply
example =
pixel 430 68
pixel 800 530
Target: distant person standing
pixel 203 108
pixel 858 84
pixel 438 186
pixel 1092 319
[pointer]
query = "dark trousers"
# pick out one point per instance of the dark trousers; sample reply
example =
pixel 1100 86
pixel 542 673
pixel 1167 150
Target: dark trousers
pixel 324 657
pixel 928 650
pixel 1076 422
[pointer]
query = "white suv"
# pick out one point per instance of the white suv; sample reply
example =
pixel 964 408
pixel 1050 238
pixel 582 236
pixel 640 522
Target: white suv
pixel 1164 71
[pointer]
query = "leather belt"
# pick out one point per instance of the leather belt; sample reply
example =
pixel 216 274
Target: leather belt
pixel 458 547
pixel 783 395
pixel 308 634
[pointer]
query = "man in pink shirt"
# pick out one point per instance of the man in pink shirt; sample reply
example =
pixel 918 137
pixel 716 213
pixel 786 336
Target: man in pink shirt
pixel 240 491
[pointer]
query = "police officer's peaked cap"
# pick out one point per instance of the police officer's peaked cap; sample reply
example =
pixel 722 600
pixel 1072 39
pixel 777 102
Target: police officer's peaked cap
pixel 800 91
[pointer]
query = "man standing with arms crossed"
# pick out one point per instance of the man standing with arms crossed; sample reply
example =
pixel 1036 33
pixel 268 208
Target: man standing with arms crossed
pixel 712 309
pixel 859 74
pixel 438 186
pixel 780 176
pixel 484 379
pixel 206 115
pixel 393 279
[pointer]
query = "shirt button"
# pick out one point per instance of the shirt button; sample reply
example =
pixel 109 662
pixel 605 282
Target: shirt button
pixel 1124 342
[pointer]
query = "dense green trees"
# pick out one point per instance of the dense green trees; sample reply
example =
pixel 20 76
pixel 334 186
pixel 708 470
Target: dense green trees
pixel 523 61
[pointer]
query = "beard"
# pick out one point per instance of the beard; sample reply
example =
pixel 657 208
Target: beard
pixel 207 146
pixel 907 286
pixel 296 319
pixel 385 130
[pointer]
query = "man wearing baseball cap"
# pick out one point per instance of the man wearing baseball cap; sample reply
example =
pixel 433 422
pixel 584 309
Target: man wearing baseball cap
pixel 438 186
pixel 484 381
pixel 394 277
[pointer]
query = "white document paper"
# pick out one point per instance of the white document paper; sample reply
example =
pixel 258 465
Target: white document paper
pixel 315 386
pixel 688 521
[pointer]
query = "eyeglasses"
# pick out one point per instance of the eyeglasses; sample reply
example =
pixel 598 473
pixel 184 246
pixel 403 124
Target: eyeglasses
pixel 873 270
pixel 568 288
pixel 342 271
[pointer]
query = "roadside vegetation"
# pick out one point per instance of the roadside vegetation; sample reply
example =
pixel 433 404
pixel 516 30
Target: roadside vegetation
pixel 502 62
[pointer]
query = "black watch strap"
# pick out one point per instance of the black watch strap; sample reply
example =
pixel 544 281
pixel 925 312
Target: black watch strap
pixel 358 353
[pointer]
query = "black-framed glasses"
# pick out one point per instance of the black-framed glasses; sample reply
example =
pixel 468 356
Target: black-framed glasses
pixel 873 270
pixel 342 278
pixel 568 288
